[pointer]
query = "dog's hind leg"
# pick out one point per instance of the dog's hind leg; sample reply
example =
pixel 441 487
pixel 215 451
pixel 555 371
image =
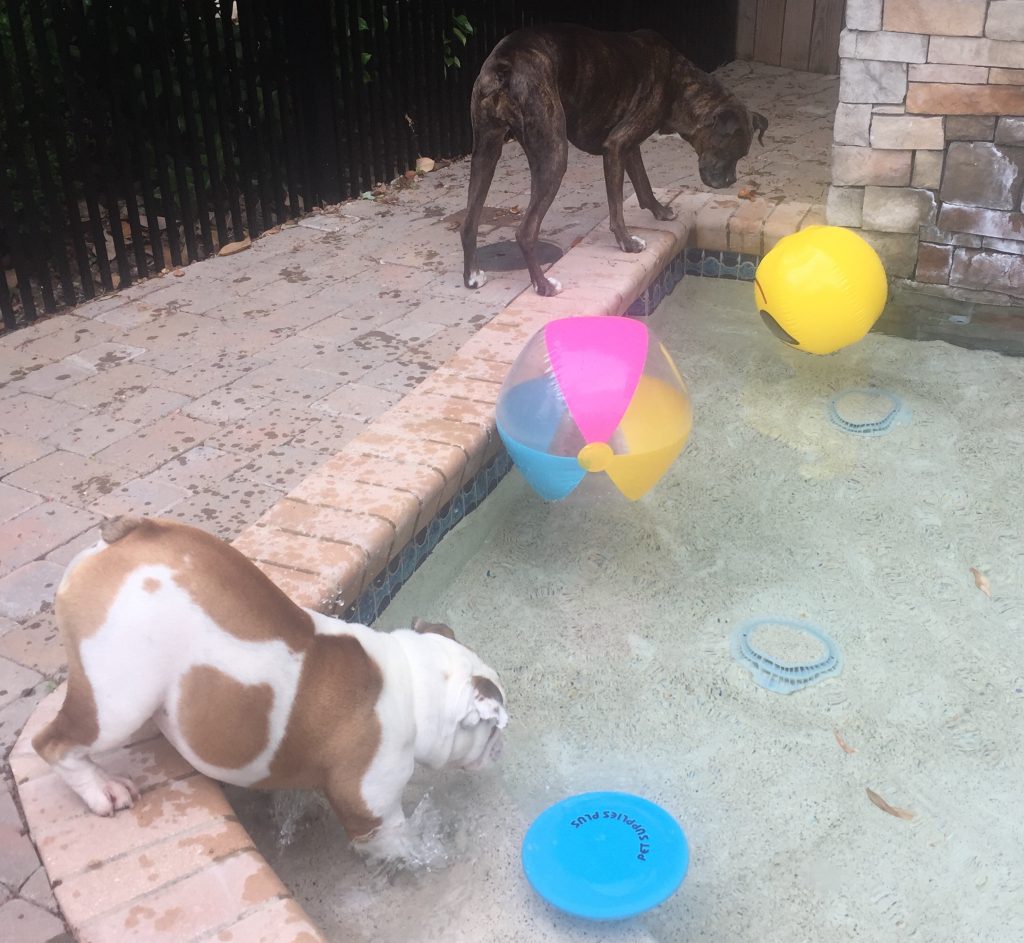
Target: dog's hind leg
pixel 487 146
pixel 634 164
pixel 112 688
pixel 547 150
pixel 66 742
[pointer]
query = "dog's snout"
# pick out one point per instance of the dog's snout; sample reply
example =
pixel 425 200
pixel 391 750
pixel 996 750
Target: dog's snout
pixel 717 177
pixel 490 753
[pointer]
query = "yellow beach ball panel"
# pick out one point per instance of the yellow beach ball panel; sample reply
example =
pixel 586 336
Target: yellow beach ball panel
pixel 824 287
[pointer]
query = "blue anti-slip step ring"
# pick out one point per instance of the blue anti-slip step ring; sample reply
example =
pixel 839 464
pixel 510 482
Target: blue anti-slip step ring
pixel 874 427
pixel 780 676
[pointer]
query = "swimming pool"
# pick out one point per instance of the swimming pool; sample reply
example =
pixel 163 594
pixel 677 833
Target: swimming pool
pixel 610 624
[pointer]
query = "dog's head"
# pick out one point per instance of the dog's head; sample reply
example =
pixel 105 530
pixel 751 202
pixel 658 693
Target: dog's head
pixel 458 700
pixel 714 122
pixel 723 139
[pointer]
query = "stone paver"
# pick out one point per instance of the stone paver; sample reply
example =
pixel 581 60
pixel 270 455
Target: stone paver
pixel 14 500
pixel 35 645
pixel 18 450
pixel 264 396
pixel 73 479
pixel 22 920
pixel 39 530
pixel 29 589
pixel 19 860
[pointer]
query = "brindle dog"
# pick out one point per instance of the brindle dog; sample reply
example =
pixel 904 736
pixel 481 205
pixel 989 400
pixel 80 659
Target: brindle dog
pixel 605 93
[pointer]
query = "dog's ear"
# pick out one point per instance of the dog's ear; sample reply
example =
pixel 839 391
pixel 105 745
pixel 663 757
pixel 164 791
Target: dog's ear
pixel 488 701
pixel 727 120
pixel 760 123
pixel 438 628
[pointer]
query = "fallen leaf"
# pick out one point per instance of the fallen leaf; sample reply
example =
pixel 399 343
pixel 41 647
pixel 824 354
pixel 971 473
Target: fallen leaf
pixel 410 175
pixel 747 193
pixel 885 807
pixel 844 746
pixel 233 247
pixel 178 272
pixel 981 581
pixel 424 165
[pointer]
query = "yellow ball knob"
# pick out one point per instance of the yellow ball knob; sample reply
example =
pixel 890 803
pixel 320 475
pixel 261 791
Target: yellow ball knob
pixel 595 456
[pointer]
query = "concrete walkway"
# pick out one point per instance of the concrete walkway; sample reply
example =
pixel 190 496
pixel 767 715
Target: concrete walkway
pixel 208 395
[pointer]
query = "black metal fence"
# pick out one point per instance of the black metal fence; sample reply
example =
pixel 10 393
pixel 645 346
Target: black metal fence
pixel 140 136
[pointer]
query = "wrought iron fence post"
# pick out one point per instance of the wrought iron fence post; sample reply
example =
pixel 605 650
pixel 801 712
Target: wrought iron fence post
pixel 310 69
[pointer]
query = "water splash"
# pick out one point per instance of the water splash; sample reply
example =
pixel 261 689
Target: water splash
pixel 433 835
pixel 426 845
pixel 293 810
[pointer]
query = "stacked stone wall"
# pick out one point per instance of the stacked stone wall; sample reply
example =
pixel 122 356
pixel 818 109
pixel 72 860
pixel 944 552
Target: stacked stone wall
pixel 928 159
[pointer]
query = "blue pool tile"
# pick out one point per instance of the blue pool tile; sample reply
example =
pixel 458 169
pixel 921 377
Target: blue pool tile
pixel 638 309
pixel 386 584
pixel 678 268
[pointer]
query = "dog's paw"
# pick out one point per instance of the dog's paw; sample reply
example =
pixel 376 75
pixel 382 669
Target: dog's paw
pixel 387 847
pixel 475 279
pixel 664 213
pixel 416 844
pixel 121 792
pixel 107 796
pixel 549 287
pixel 634 244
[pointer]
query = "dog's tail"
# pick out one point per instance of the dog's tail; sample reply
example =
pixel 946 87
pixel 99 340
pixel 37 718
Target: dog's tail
pixel 116 528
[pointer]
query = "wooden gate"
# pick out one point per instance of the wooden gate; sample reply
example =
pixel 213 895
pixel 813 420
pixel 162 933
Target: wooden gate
pixel 795 34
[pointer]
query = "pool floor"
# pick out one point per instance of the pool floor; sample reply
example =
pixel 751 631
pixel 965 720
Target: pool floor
pixel 610 625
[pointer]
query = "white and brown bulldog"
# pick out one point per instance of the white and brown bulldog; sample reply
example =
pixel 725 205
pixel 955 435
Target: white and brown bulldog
pixel 166 621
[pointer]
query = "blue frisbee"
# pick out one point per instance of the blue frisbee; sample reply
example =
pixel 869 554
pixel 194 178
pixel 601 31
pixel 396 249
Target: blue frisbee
pixel 605 855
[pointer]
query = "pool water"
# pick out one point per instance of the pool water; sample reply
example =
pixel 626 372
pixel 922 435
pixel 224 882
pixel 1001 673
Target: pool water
pixel 610 625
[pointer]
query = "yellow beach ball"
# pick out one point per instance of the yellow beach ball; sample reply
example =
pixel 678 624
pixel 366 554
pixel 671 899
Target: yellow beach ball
pixel 821 289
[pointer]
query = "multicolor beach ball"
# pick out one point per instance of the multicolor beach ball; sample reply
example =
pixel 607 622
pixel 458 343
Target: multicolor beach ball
pixel 821 289
pixel 593 395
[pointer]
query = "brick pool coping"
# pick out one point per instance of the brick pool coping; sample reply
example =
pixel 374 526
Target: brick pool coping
pixel 179 866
